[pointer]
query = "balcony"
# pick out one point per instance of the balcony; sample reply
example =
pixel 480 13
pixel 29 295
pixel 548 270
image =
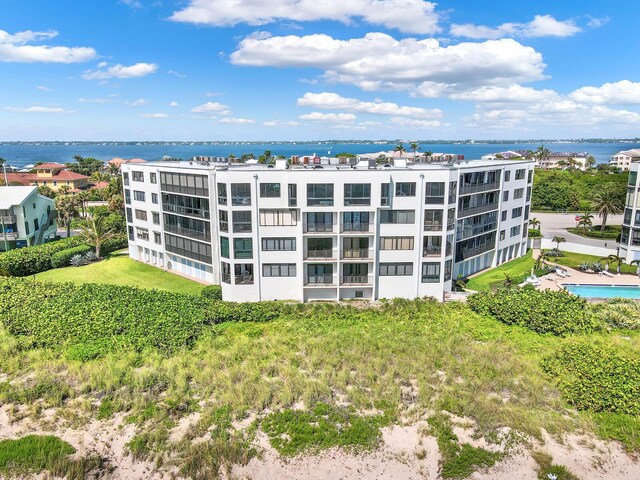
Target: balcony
pixel 356 280
pixel 467 212
pixel 432 251
pixel 355 201
pixel 186 232
pixel 8 219
pixel 9 236
pixel 358 253
pixel 319 280
pixel 480 187
pixel 465 254
pixel 319 254
pixel 318 227
pixel 244 279
pixel 357 227
pixel 433 227
pixel 239 200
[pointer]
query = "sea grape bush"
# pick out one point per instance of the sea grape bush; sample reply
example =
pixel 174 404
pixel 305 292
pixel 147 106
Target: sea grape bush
pixel 596 378
pixel 62 258
pixel 26 261
pixel 558 313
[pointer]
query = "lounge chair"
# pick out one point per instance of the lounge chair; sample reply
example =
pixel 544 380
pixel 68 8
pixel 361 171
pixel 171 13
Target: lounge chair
pixel 606 273
pixel 533 281
pixel 562 273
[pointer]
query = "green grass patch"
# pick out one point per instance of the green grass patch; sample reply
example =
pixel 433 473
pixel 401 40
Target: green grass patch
pixel 518 270
pixel 610 232
pixel 547 469
pixel 574 260
pixel 619 426
pixel 119 269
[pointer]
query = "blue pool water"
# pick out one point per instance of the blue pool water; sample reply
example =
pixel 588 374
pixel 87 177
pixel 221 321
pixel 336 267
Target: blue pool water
pixel 604 291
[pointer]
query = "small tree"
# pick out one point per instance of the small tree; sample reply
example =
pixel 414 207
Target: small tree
pixel 400 149
pixel 67 210
pixel 615 260
pixel 607 203
pixel 95 233
pixel 415 146
pixel 534 223
pixel 558 240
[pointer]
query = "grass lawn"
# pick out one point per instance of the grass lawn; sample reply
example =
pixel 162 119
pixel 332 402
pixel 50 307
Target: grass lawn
pixel 611 232
pixel 119 269
pixel 573 260
pixel 520 267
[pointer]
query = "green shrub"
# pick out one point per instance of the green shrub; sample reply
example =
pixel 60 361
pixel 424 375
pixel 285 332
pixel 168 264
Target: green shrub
pixel 212 292
pixel 558 313
pixel 62 258
pixel 26 261
pixel 32 454
pixel 619 313
pixel 596 378
pixel 116 243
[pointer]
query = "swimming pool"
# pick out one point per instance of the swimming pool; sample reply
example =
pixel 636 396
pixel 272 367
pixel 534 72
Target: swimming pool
pixel 603 291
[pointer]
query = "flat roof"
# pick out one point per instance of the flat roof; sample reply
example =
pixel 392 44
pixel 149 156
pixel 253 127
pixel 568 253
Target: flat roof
pixel 14 195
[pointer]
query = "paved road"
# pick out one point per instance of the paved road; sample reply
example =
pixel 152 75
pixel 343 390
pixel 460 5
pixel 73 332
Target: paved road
pixel 555 224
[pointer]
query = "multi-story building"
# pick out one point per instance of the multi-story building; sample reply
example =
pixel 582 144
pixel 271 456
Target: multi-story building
pixel 328 232
pixel 52 175
pixel 630 236
pixel 623 159
pixel 26 218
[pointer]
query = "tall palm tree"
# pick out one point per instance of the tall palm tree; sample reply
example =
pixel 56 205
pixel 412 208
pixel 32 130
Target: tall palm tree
pixel 605 203
pixel 67 210
pixel 636 262
pixel 82 198
pixel 400 149
pixel 613 259
pixel 415 146
pixel 534 223
pixel 586 221
pixel 590 162
pixel 558 240
pixel 541 154
pixel 95 233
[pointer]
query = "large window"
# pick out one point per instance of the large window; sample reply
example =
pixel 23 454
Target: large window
pixel 186 183
pixel 396 269
pixel 226 272
pixel 153 178
pixel 515 231
pixel 355 221
pixel 278 218
pixel 520 174
pixel 433 220
pixel 224 220
pixel 398 216
pixel 241 221
pixel 187 226
pixel 222 194
pixel 293 195
pixel 320 194
pixel 516 212
pixel 384 194
pixel 518 193
pixel 183 205
pixel 357 194
pixel 138 196
pixel 127 196
pixel 406 189
pixel 432 246
pixel 137 176
pixel 242 248
pixel 142 233
pixel 244 273
pixel 278 244
pixel 319 222
pixel 396 243
pixel 270 190
pixel 141 215
pixel 224 247
pixel 241 194
pixel 188 248
pixel 431 272
pixel 279 270
pixel 319 274
pixel 434 193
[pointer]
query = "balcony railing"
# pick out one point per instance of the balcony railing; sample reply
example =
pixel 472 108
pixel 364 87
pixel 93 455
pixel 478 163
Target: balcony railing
pixel 432 251
pixel 8 219
pixel 319 253
pixel 244 279
pixel 356 280
pixel 241 227
pixel 467 212
pixel 464 254
pixel 9 236
pixel 480 187
pixel 186 232
pixel 240 200
pixel 433 227
pixel 350 201
pixel 319 280
pixel 318 227
pixel 357 227
pixel 356 253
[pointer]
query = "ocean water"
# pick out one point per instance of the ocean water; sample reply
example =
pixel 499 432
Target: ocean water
pixel 22 154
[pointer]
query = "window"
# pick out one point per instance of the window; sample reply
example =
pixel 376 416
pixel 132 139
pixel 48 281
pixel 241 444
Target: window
pixel 157 238
pixel 278 244
pixel 141 215
pixel 137 176
pixel 129 215
pixel 355 221
pixel 278 218
pixel 183 205
pixel 188 248
pixel 129 229
pixel 357 194
pixel 502 234
pixel 518 193
pixel 396 243
pixel 505 196
pixel 224 220
pixel 503 216
pixel 293 195
pixel 224 247
pixel 244 273
pixel 433 220
pixel 242 248
pixel 406 189
pixel 125 178
pixel 398 216
pixel 431 246
pixel 453 191
pixel 138 196
pixel 241 221
pixel 633 178
pixel 384 194
pixel 319 222
pixel 153 178
pixel 396 269
pixel 431 272
pixel 279 270
pixel 451 219
pixel 319 274
pixel 434 193
pixel 507 175
pixel 320 194
pixel 156 218
pixel 516 212
pixel 240 194
pixel 127 196
pixel 142 233
pixel 530 176
pixel 188 227
pixel 222 194
pixel 26 227
pixel 36 225
pixel 515 231
pixel 185 183
pixel 270 190
pixel 225 271
pixel 447 270
pixel 520 174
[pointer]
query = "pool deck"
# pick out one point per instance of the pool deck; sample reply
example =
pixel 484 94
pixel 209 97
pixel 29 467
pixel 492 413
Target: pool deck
pixel 553 281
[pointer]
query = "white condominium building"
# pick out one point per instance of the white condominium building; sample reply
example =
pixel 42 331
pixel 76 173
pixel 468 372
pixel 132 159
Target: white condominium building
pixel 328 232
pixel 630 237
pixel 623 159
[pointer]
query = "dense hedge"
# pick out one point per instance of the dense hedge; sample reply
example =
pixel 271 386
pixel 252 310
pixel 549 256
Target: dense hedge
pixel 558 313
pixel 61 259
pixel 31 260
pixel 596 378
pixel 212 292
pixel 95 318
pixel 619 313
pixel 117 243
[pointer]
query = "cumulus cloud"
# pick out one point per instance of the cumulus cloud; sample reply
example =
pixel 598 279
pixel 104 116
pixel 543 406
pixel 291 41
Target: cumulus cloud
pixel 237 121
pixel 37 110
pixel 211 107
pixel 411 16
pixel 328 117
pixel 414 122
pixel 540 26
pixel 173 104
pixel 136 103
pixel 333 101
pixel 623 92
pixel 154 115
pixel 378 61
pixel 120 71
pixel 277 123
pixel 16 48
pixel 510 94
pixel 42 88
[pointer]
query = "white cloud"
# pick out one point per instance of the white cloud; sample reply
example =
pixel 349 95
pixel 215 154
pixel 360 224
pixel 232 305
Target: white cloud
pixel 412 16
pixel 333 101
pixel 15 48
pixel 510 94
pixel 37 110
pixel 136 103
pixel 173 104
pixel 328 117
pixel 211 107
pixel 177 74
pixel 132 3
pixel 378 61
pixel 120 71
pixel 277 123
pixel 42 88
pixel 95 100
pixel 153 115
pixel 237 121
pixel 623 92
pixel 414 122
pixel 540 26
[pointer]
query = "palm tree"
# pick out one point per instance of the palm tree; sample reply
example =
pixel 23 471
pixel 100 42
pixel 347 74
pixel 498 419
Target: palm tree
pixel 613 259
pixel 64 190
pixel 586 220
pixel 607 203
pixel 67 210
pixel 82 198
pixel 415 146
pixel 590 162
pixel 400 149
pixel 534 223
pixel 541 154
pixel 95 233
pixel 541 257
pixel 558 240
pixel 636 262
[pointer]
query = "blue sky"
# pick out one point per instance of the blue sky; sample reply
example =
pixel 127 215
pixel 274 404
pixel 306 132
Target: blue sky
pixel 318 69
